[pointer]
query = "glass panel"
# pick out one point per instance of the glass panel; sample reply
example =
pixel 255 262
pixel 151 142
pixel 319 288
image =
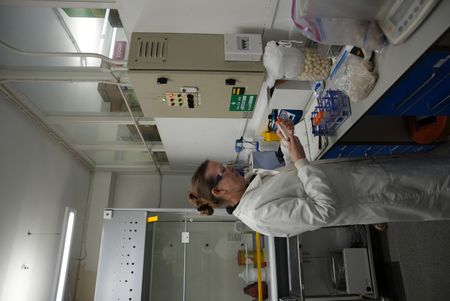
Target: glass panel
pixel 211 266
pixel 168 258
pixel 118 157
pixel 56 30
pixel 80 97
pixel 161 157
pixel 212 271
pixel 150 132
pixel 95 133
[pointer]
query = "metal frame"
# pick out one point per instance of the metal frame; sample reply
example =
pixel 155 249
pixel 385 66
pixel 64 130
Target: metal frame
pixel 121 267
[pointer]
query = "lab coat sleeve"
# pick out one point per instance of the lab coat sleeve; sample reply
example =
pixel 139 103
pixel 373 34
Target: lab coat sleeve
pixel 285 151
pixel 318 190
pixel 287 216
pixel 290 215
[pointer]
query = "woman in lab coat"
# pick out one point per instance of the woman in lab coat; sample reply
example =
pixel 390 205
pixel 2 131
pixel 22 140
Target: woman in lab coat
pixel 307 196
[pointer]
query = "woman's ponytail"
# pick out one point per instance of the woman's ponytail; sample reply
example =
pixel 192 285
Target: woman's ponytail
pixel 204 206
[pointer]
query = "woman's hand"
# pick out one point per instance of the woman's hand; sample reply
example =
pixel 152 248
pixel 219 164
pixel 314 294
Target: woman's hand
pixel 285 126
pixel 296 150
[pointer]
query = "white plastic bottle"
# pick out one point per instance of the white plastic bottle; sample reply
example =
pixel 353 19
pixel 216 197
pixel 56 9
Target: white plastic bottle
pixel 251 274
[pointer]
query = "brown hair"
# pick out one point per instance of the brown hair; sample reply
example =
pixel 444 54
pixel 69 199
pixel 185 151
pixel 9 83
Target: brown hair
pixel 201 195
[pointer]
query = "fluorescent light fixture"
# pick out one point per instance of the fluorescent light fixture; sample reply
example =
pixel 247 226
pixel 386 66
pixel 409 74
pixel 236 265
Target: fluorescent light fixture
pixel 64 253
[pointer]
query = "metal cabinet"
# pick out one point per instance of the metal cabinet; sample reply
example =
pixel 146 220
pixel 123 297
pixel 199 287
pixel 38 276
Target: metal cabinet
pixel 378 135
pixel 186 75
pixel 423 90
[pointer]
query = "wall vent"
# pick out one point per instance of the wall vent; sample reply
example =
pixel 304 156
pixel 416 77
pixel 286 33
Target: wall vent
pixel 151 50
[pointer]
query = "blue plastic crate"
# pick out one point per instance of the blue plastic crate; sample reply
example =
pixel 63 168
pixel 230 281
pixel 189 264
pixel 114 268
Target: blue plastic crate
pixel 334 106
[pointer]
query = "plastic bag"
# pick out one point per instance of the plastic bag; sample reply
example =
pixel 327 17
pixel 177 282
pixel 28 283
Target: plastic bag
pixel 282 62
pixel 339 31
pixel 354 76
pixel 316 66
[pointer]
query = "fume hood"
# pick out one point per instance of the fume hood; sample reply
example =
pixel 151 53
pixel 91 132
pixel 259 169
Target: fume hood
pixel 171 254
pixel 177 254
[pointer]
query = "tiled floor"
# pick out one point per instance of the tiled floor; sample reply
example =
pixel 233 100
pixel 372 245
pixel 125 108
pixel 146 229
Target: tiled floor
pixel 413 259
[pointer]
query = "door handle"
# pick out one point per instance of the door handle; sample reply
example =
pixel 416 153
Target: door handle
pixel 230 82
pixel 445 102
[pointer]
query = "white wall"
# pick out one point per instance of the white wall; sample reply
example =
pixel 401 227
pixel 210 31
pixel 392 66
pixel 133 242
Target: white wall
pixel 99 199
pixel 38 179
pixel 142 191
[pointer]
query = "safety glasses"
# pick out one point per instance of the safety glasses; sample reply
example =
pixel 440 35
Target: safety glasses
pixel 220 175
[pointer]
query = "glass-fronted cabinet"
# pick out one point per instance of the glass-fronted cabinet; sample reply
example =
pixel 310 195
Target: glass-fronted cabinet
pixel 175 254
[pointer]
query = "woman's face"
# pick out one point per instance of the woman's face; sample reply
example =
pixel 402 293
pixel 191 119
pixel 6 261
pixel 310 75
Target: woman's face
pixel 226 177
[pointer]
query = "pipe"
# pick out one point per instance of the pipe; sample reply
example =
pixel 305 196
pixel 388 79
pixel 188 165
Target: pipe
pixel 184 262
pixel 258 265
pixel 63 24
pixel 136 125
pixel 67 54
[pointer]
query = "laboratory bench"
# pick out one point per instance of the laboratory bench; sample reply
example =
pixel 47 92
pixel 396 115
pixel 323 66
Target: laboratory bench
pixel 413 80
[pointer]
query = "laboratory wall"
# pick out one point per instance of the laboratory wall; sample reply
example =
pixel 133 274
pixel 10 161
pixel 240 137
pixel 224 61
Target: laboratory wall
pixel 145 191
pixel 38 179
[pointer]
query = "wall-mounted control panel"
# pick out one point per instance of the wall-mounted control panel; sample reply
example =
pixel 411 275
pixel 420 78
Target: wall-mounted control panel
pixel 181 99
pixel 170 81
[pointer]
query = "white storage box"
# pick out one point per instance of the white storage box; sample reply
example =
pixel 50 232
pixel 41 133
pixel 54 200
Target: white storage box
pixel 290 95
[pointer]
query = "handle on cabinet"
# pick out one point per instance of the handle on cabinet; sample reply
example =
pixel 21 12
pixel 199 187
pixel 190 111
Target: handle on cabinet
pixel 393 149
pixel 436 67
pixel 443 102
pixel 162 80
pixel 404 102
pixel 230 82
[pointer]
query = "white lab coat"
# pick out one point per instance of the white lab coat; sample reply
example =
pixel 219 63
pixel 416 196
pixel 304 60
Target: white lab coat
pixel 318 194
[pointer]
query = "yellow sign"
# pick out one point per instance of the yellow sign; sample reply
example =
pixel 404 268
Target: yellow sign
pixel 152 219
